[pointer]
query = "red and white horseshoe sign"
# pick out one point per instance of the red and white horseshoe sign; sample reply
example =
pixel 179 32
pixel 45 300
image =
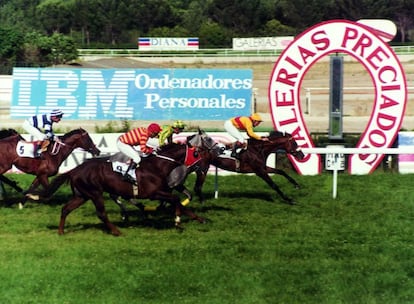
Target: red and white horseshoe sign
pixel 388 77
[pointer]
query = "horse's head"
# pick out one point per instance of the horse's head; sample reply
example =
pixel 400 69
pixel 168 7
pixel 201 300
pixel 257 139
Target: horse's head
pixel 285 141
pixel 79 138
pixel 203 142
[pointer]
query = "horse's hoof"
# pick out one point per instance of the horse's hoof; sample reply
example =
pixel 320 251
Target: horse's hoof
pixel 202 220
pixel 179 227
pixel 34 197
pixel 116 232
pixel 297 187
pixel 21 206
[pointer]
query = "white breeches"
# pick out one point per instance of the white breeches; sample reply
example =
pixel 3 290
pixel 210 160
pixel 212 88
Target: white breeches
pixel 233 131
pixel 130 151
pixel 36 133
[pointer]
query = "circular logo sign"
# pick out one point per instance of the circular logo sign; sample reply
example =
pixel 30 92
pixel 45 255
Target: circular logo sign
pixel 360 42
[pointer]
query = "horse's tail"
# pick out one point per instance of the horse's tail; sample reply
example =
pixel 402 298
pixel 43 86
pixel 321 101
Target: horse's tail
pixel 55 185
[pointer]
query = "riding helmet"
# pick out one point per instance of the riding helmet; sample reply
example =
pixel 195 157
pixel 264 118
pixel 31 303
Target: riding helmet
pixel 154 128
pixel 256 117
pixel 179 124
pixel 56 113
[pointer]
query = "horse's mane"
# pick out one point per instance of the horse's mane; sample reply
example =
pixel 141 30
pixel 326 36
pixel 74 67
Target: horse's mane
pixel 70 133
pixel 169 147
pixel 272 135
pixel 4 133
pixel 275 134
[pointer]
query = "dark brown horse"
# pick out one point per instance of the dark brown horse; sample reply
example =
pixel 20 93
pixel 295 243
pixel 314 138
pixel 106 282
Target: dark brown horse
pixel 94 177
pixel 253 160
pixel 176 179
pixel 51 160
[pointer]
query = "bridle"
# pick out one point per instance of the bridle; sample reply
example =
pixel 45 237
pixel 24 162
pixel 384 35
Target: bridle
pixel 56 150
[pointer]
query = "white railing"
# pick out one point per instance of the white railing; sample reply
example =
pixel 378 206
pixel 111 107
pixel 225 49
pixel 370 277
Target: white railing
pixel 337 152
pixel 308 94
pixel 219 52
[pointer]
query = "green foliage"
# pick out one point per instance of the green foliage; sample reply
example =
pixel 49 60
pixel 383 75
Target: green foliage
pixel 40 50
pixel 213 34
pixel 10 48
pixel 113 127
pixel 254 249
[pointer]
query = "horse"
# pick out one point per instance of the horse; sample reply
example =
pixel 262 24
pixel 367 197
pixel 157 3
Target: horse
pixel 4 133
pixel 94 177
pixel 177 177
pixel 12 151
pixel 253 160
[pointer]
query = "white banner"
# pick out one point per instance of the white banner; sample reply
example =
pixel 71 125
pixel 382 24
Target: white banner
pixel 164 43
pixel 262 43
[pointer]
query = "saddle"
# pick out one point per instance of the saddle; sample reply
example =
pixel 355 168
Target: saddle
pixel 31 148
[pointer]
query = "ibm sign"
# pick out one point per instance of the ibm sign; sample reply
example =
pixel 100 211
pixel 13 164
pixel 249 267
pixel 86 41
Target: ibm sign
pixel 138 94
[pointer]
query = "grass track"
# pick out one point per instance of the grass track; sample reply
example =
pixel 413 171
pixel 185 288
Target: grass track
pixel 357 248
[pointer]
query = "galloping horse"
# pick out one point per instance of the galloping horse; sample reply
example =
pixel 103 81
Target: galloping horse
pixel 253 160
pixel 93 177
pixel 12 146
pixel 200 140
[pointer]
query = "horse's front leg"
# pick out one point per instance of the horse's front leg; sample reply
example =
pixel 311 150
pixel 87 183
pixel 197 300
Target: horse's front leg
pixel 198 186
pixel 284 174
pixel 263 175
pixel 99 203
pixel 39 180
pixel 124 213
pixel 73 203
pixel 182 189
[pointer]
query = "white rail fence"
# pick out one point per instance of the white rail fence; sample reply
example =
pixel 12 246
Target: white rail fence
pixel 335 154
pixel 346 90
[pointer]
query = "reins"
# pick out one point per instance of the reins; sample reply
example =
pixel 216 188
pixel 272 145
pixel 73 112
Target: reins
pixel 61 143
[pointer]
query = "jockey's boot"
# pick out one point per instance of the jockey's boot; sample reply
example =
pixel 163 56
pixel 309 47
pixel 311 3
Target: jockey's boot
pixel 44 145
pixel 38 150
pixel 126 177
pixel 237 148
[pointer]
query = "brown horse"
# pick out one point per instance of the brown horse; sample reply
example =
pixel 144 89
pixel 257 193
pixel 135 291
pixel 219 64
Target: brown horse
pixel 93 177
pixel 253 160
pixel 51 160
pixel 200 140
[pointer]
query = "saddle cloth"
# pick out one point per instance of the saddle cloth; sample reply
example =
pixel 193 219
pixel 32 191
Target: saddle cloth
pixel 26 149
pixel 121 167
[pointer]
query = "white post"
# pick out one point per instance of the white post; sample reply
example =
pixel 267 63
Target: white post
pixel 335 182
pixel 216 185
pixel 308 101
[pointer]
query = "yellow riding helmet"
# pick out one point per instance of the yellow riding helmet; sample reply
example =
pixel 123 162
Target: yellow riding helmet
pixel 256 116
pixel 179 124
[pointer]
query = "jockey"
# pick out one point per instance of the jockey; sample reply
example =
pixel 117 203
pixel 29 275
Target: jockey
pixel 235 125
pixel 167 132
pixel 134 144
pixel 40 127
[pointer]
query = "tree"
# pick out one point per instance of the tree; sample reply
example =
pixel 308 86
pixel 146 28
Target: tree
pixel 55 16
pixel 213 35
pixel 40 50
pixel 10 48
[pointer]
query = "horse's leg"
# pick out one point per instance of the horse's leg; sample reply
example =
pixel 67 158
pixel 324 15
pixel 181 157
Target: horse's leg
pixel 39 180
pixel 263 175
pixel 99 203
pixel 201 177
pixel 11 183
pixel 124 213
pixel 284 174
pixel 73 203
pixel 182 189
pixel 179 208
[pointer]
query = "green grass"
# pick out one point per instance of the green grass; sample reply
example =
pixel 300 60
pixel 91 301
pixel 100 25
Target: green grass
pixel 357 248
